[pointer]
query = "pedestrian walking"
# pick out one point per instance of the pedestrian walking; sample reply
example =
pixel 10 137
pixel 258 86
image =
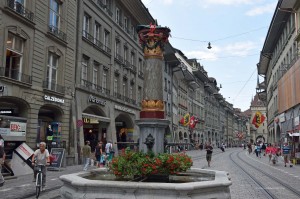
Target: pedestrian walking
pixel 2 159
pixel 86 155
pixel 109 152
pixel 98 153
pixel 286 150
pixel 209 151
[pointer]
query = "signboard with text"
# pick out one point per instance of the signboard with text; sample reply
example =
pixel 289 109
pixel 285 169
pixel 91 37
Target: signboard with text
pixel 11 127
pixel 24 151
pixel 57 157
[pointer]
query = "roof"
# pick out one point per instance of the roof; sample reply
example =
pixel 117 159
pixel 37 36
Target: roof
pixel 276 27
pixel 257 102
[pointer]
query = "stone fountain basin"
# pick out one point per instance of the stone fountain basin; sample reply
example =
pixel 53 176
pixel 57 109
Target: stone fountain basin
pixel 198 183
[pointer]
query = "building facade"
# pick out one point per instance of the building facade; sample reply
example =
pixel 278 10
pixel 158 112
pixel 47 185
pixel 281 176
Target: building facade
pixel 109 71
pixel 37 71
pixel 278 66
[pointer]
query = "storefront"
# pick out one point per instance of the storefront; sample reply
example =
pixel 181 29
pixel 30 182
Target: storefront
pixel 13 122
pixel 125 127
pixel 49 127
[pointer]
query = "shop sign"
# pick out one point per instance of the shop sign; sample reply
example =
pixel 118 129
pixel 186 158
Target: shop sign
pixel 125 109
pixel 96 100
pixel 25 151
pixel 8 127
pixel 90 120
pixel 17 129
pixel 6 111
pixel 54 99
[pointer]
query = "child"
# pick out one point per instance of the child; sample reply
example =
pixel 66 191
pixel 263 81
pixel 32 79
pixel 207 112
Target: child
pixel 103 159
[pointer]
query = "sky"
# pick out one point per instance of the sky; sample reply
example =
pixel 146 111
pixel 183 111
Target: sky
pixel 236 30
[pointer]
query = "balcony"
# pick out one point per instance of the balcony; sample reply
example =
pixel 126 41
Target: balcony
pixel 107 49
pixel 87 36
pixel 15 75
pixel 98 44
pixel 53 87
pixel 100 4
pixel 133 68
pixel 94 87
pixel 141 74
pixel 119 58
pixel 109 12
pixel 57 33
pixel 118 96
pixel 126 64
pixel 20 9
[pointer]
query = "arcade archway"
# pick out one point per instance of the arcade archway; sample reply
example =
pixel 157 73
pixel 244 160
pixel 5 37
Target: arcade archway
pixel 125 131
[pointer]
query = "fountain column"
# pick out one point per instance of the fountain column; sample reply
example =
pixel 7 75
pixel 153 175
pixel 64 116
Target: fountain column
pixel 152 120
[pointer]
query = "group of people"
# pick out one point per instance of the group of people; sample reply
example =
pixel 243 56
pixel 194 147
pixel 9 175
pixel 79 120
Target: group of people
pixel 272 151
pixel 103 154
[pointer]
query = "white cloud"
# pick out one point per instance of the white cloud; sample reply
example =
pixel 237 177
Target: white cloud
pixel 268 8
pixel 240 48
pixel 165 2
pixel 211 54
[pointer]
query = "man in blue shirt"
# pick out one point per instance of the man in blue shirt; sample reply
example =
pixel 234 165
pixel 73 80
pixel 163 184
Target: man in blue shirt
pixel 286 154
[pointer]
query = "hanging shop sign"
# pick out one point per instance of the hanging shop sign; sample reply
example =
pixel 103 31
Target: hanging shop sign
pixel 96 100
pixel 54 99
pixel 90 120
pixel 8 127
pixel 125 109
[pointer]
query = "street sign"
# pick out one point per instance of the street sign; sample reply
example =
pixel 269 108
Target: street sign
pixel 79 123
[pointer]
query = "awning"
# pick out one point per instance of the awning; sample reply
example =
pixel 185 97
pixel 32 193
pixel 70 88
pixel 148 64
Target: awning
pixel 100 118
pixel 294 134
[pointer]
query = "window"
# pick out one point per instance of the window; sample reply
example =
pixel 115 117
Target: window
pixel 106 38
pixel 125 23
pixel 14 56
pixel 104 79
pixel 52 70
pixel 133 30
pixel 139 94
pixel 54 17
pixel 84 70
pixel 132 58
pixel 131 92
pixel 97 32
pixel 86 25
pixel 117 48
pixel 140 65
pixel 117 15
pixel 116 85
pixel 95 77
pixel 124 89
pixel 125 53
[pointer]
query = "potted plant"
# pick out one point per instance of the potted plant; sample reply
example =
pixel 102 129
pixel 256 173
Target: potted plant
pixel 138 165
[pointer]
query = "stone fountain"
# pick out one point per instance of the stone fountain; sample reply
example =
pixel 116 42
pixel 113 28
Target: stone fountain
pixel 196 183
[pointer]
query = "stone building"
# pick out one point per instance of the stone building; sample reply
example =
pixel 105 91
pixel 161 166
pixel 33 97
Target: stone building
pixel 37 71
pixel 278 66
pixel 109 71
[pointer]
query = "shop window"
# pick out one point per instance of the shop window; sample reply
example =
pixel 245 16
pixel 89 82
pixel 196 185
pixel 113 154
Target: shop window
pixel 52 71
pixel 14 56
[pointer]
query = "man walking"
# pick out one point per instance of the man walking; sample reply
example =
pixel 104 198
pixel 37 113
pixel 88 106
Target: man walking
pixel 209 150
pixel 86 155
pixel 286 154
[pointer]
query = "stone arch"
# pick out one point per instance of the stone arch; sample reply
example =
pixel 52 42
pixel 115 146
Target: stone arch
pixel 124 130
pixel 22 107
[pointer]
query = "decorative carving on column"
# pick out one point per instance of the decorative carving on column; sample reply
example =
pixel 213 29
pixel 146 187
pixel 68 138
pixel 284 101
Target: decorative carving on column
pixel 152 39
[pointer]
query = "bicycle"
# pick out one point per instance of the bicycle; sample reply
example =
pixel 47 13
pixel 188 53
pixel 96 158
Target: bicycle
pixel 39 179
